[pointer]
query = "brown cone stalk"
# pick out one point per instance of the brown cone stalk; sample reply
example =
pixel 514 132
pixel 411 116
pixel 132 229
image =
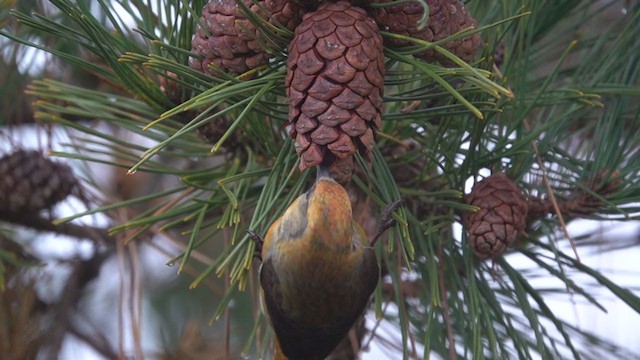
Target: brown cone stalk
pixel 446 17
pixel 232 42
pixel 579 203
pixel 335 84
pixel 30 182
pixel 501 218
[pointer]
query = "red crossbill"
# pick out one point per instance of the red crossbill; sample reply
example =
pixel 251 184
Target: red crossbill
pixel 318 270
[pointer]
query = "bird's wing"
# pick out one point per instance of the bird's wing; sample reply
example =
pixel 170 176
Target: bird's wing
pixel 370 268
pixel 371 271
pixel 296 341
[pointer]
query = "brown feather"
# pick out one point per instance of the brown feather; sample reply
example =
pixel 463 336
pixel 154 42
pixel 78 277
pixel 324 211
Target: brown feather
pixel 301 342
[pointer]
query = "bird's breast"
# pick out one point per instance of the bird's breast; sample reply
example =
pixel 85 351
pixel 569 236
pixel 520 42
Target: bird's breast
pixel 320 283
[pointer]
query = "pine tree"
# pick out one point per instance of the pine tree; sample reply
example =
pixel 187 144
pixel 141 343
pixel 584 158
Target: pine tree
pixel 550 101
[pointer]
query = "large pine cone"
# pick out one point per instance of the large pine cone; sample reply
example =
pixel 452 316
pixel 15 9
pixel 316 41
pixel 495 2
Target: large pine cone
pixel 446 17
pixel 235 44
pixel 335 84
pixel 30 182
pixel 502 216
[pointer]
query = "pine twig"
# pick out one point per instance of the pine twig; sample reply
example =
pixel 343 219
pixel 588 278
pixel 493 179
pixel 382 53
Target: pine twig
pixel 36 222
pixel 83 272
pixel 97 341
pixel 445 302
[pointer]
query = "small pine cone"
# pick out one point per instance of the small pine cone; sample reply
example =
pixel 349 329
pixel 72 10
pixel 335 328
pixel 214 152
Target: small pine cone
pixel 502 216
pixel 446 17
pixel 234 43
pixel 335 79
pixel 30 182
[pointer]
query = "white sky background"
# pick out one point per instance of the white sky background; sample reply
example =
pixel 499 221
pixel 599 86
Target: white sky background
pixel 618 325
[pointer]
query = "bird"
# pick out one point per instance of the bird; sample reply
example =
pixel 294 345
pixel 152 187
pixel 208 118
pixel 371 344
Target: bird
pixel 318 270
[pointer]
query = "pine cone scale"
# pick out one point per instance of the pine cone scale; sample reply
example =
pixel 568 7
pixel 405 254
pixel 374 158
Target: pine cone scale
pixel 305 124
pixel 313 107
pixel 374 76
pixel 302 81
pixel 347 37
pixel 324 28
pixel 348 99
pixel 361 85
pixel 330 48
pixel 357 58
pixel 305 43
pixel 309 63
pixel 324 135
pixel 367 111
pixel 334 116
pixel 340 71
pixel 354 127
pixel 344 20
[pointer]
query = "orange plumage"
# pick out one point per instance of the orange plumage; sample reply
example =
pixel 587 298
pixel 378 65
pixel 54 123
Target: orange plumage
pixel 318 271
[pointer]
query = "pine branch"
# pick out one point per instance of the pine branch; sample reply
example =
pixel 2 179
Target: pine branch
pixel 36 222
pixel 580 112
pixel 82 272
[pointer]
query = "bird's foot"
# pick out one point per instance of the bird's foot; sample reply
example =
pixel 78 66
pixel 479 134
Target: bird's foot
pixel 259 241
pixel 386 219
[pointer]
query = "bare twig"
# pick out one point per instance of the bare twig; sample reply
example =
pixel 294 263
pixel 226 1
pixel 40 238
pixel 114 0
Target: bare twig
pixel 121 318
pixel 227 312
pixel 37 222
pixel 403 309
pixel 445 302
pixel 97 341
pixel 552 195
pixel 408 289
pixel 376 326
pixel 82 273
pixel 135 300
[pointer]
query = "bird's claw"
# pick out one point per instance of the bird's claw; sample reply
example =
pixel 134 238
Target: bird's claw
pixel 386 219
pixel 259 241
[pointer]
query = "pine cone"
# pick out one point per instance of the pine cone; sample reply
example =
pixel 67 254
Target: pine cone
pixel 234 43
pixel 501 218
pixel 335 84
pixel 446 17
pixel 30 182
